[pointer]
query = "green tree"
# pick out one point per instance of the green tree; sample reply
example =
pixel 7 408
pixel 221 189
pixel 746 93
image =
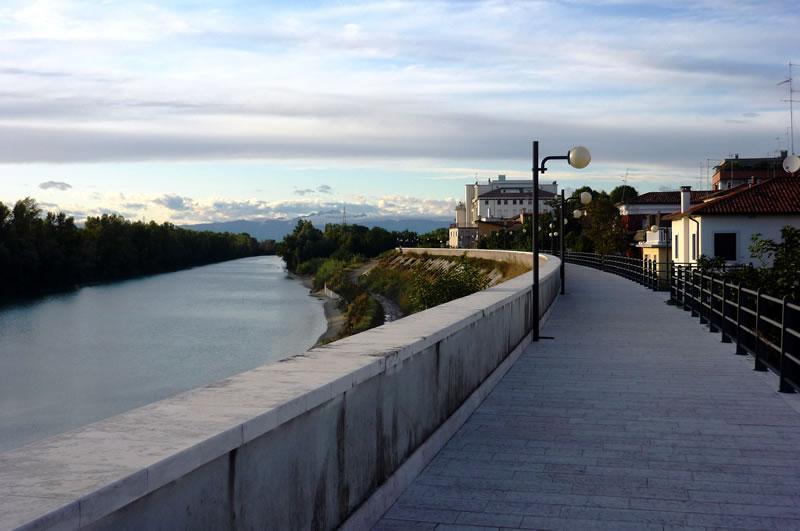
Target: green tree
pixel 622 193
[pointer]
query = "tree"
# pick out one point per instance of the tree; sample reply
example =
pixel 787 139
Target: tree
pixel 622 193
pixel 48 253
pixel 603 227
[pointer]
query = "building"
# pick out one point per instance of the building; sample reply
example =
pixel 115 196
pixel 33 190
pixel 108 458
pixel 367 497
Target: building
pixel 723 224
pixel 510 202
pixel 734 172
pixel 473 193
pixel 641 213
pixel 462 236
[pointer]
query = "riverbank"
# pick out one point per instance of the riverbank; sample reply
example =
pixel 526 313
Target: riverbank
pixel 333 315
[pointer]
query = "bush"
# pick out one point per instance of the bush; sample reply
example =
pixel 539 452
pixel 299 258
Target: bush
pixel 362 314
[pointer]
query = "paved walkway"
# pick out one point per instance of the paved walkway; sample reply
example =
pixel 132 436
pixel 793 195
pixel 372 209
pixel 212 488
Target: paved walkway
pixel 633 417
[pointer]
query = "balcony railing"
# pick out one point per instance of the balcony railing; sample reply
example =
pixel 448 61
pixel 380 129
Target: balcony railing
pixel 657 238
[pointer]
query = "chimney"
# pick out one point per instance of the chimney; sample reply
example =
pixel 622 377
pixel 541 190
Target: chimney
pixel 752 180
pixel 686 198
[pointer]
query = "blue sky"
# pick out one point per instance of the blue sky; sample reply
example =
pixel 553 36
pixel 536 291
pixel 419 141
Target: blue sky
pixel 212 110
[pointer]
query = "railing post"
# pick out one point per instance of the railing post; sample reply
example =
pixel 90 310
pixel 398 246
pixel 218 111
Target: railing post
pixel 685 298
pixel 693 285
pixel 703 318
pixel 759 365
pixel 711 326
pixel 739 348
pixel 784 386
pixel 724 324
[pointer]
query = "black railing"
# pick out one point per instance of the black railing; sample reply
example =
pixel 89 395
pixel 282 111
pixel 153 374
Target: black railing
pixel 649 273
pixel 764 326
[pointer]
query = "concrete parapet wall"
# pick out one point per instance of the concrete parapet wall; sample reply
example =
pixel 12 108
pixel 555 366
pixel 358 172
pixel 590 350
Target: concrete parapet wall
pixel 296 444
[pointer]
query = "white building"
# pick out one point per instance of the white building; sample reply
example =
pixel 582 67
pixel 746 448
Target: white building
pixel 474 205
pixel 509 202
pixel 723 225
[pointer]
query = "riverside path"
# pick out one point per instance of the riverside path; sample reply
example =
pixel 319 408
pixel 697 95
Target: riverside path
pixel 632 417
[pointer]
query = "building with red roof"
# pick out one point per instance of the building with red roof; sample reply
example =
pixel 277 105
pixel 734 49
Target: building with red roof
pixel 723 224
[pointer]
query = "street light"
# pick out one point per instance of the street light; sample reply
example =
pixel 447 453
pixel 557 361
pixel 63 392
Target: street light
pixel 578 157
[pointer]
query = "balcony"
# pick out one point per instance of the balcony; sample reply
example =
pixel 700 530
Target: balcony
pixel 662 237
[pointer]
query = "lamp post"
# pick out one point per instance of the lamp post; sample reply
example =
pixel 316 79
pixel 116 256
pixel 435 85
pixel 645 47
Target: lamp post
pixel 562 222
pixel 577 157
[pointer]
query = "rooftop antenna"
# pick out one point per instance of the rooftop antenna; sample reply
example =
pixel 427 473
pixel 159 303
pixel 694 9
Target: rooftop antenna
pixel 344 213
pixel 791 102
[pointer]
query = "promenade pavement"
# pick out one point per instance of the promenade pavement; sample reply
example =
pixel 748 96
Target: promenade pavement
pixel 632 417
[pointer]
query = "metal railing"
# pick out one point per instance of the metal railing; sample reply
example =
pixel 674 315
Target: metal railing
pixel 649 273
pixel 661 237
pixel 764 326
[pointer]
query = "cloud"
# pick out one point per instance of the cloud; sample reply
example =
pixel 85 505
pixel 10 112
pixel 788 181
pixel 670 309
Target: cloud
pixel 174 202
pixel 386 82
pixel 57 185
pixel 324 189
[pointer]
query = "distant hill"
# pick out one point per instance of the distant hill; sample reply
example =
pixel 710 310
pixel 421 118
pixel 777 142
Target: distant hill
pixel 276 229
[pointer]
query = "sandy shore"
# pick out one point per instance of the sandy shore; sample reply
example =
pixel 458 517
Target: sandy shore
pixel 333 314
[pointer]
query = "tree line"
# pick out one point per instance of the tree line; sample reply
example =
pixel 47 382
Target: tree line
pixel 46 252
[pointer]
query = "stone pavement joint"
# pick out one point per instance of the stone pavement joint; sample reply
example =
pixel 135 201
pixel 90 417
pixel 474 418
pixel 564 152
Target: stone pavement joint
pixel 633 417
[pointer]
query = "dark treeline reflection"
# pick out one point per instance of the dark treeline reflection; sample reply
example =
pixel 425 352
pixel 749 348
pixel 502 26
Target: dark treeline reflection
pixel 40 254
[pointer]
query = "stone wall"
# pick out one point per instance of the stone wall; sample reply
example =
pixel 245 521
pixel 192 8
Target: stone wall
pixel 297 444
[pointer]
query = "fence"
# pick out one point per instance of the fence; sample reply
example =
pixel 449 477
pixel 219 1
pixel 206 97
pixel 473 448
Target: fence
pixel 764 326
pixel 649 273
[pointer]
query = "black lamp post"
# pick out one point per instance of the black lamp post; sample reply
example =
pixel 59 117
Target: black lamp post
pixel 578 157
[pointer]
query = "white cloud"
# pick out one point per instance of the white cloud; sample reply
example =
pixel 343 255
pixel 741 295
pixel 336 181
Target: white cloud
pixel 386 82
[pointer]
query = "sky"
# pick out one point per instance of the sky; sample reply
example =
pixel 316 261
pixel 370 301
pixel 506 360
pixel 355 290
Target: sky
pixel 216 110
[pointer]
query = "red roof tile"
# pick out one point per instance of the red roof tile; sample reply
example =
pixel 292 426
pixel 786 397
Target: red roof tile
pixel 666 198
pixel 777 196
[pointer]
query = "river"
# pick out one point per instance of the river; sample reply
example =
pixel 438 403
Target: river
pixel 71 359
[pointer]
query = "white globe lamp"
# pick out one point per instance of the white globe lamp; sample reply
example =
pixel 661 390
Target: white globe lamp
pixel 579 157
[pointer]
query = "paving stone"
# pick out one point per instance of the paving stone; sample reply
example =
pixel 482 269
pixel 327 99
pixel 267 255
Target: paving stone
pixel 633 417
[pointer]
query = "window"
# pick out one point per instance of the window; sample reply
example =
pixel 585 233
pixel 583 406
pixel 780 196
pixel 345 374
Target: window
pixel 505 201
pixel 676 246
pixel 485 201
pixel 725 245
pixel 694 246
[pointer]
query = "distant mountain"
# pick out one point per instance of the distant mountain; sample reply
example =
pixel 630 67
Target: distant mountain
pixel 276 229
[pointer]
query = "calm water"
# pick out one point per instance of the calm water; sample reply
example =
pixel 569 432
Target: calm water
pixel 72 359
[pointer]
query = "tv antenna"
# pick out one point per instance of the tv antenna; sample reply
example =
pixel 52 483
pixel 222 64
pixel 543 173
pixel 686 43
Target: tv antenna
pixel 791 102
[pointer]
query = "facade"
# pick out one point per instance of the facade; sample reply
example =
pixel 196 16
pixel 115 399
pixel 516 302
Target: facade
pixel 473 192
pixel 510 202
pixel 734 172
pixel 724 224
pixel 462 236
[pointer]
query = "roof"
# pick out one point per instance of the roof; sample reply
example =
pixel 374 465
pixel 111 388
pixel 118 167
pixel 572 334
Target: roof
pixel 771 197
pixel 507 193
pixel 668 198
